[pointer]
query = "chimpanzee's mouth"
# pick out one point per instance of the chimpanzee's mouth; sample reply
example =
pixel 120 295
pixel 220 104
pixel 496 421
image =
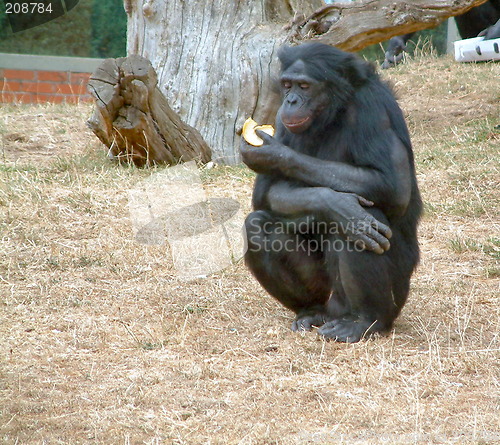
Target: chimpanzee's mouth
pixel 295 126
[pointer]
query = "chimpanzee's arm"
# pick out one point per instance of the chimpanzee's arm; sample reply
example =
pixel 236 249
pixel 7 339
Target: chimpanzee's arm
pixel 388 186
pixel 345 210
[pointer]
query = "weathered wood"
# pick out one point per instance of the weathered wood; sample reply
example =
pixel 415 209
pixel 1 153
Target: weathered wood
pixel 133 119
pixel 347 27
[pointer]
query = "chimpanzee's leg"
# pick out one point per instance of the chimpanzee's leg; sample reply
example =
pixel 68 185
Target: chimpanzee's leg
pixel 284 263
pixel 374 288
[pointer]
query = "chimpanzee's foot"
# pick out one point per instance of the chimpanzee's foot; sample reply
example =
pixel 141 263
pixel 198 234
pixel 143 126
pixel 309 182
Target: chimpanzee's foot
pixel 308 319
pixel 349 329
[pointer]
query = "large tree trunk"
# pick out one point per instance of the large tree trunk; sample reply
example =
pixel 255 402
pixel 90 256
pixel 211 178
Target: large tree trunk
pixel 215 60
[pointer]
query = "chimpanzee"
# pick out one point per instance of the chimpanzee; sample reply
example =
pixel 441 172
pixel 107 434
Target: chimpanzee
pixel 334 184
pixel 483 20
pixel 492 32
pixel 475 20
pixel 395 49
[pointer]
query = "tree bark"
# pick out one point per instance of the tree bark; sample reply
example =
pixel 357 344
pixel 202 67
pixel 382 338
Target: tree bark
pixel 216 60
pixel 354 26
pixel 133 119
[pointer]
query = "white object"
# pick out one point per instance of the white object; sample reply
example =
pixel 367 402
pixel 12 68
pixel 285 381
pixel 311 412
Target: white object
pixel 477 49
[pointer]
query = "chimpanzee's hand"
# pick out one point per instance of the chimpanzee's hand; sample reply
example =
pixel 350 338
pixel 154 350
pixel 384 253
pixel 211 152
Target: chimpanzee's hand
pixel 346 213
pixel 358 225
pixel 267 158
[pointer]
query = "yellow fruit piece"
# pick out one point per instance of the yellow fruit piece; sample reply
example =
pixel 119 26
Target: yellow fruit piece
pixel 249 134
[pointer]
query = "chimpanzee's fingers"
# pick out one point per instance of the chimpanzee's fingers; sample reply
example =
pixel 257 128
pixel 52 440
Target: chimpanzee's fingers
pixel 267 138
pixel 364 202
pixel 364 242
pixel 381 228
pixel 380 239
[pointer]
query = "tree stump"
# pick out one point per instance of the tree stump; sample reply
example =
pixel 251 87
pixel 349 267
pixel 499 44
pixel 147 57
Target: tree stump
pixel 133 119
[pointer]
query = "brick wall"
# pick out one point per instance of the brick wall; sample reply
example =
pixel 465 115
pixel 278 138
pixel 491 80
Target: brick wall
pixel 31 86
pixel 39 79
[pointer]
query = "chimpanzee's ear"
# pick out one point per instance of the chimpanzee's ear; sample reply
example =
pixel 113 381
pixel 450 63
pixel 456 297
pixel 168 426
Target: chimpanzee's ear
pixel 357 71
pixel 285 56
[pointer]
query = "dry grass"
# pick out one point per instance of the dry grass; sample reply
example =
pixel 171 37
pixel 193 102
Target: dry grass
pixel 101 342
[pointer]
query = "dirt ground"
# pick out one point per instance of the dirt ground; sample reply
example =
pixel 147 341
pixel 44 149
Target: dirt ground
pixel 103 342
